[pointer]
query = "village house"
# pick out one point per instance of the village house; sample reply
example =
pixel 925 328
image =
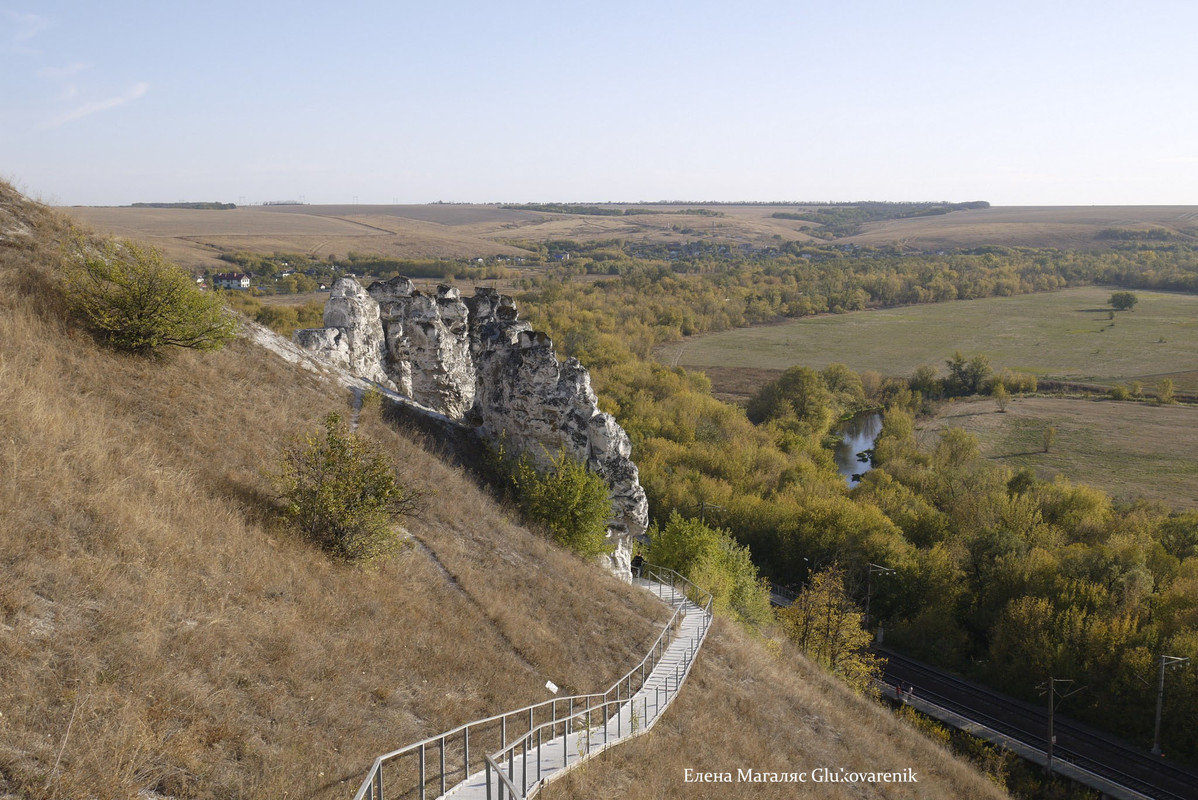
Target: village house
pixel 231 280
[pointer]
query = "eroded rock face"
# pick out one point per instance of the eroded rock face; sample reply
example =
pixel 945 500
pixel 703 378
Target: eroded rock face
pixel 428 347
pixel 476 361
pixel 352 337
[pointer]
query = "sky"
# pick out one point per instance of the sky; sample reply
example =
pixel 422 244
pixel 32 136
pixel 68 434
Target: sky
pixel 1050 102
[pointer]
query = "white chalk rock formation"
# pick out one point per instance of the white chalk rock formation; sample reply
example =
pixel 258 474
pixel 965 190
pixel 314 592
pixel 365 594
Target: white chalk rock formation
pixel 352 337
pixel 476 361
pixel 428 345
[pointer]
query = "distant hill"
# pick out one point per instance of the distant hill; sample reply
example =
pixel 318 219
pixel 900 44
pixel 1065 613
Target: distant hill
pixel 446 230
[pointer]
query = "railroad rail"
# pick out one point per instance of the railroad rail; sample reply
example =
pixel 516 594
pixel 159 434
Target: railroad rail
pixel 1077 744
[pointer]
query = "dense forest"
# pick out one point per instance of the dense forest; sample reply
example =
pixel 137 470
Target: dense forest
pixel 998 575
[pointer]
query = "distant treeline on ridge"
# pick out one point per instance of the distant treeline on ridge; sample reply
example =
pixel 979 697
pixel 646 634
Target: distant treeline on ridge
pixel 196 206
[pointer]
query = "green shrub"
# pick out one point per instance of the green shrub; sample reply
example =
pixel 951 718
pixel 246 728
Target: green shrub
pixel 342 492
pixel 711 558
pixel 568 500
pixel 138 301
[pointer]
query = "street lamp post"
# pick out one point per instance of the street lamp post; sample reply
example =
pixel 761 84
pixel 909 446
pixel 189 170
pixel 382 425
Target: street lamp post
pixel 1166 661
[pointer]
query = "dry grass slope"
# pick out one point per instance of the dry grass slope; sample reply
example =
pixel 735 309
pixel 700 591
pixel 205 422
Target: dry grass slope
pixel 159 632
pixel 747 709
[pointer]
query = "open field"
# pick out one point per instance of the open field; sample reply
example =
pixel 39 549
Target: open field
pixel 1125 449
pixel 1064 335
pixel 196 238
pixel 1065 227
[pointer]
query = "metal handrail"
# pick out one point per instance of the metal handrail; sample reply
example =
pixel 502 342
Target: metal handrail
pixel 372 787
pixel 586 750
pixel 504 779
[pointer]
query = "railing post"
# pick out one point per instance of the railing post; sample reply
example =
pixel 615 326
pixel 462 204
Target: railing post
pixel 377 789
pixel 488 764
pixel 422 795
pixel 442 743
pixel 466 753
pixel 503 730
pixel 524 765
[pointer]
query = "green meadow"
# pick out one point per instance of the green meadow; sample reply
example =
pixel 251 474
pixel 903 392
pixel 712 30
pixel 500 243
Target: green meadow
pixel 1066 335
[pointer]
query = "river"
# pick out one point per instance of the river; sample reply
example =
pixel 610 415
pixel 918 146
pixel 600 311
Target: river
pixel 856 436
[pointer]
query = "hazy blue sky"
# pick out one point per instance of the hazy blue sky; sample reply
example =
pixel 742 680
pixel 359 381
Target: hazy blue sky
pixel 1026 103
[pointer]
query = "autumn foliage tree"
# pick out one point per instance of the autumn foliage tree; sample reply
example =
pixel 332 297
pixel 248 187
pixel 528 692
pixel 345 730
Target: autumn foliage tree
pixel 567 499
pixel 828 626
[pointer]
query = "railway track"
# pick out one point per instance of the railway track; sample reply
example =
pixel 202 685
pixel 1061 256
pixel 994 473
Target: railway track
pixel 1078 744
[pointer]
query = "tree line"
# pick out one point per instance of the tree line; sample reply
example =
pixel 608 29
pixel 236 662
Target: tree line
pixel 981 553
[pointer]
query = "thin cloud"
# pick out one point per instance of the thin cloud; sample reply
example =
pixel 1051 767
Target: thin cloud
pixel 25 28
pixel 95 107
pixel 54 73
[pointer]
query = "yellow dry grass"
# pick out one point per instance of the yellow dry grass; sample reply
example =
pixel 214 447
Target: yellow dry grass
pixel 158 629
pixel 747 709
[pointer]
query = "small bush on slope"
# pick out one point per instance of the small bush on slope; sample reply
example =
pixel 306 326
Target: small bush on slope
pixel 711 558
pixel 565 498
pixel 342 493
pixel 138 301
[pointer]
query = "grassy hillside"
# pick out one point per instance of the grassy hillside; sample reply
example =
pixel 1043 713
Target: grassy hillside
pixel 161 632
pixel 749 709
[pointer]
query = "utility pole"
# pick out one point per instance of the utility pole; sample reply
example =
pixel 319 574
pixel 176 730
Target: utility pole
pixel 1166 661
pixel 1050 689
pixel 878 568
pixel 703 506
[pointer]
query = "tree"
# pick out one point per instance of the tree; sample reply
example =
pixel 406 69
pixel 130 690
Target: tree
pixel 798 399
pixel 966 376
pixel 1123 301
pixel 342 492
pixel 138 301
pixel 1049 435
pixel 570 501
pixel 827 626
pixel 711 558
pixel 999 393
pixel 1165 394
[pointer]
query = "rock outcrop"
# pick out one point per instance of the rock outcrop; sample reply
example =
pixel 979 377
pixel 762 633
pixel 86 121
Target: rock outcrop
pixel 352 337
pixel 476 361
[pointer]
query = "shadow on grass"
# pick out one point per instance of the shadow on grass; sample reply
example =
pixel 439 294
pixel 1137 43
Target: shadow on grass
pixel 258 506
